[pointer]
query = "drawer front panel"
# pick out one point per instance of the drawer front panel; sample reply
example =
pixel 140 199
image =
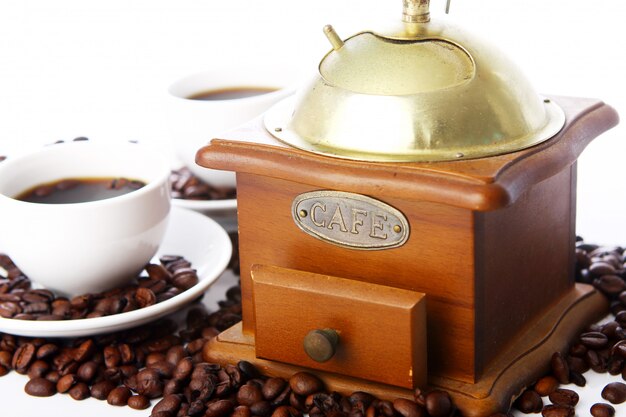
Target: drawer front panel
pixel 382 330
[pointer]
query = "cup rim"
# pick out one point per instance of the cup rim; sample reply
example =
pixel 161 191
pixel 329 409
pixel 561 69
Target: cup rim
pixel 159 179
pixel 281 88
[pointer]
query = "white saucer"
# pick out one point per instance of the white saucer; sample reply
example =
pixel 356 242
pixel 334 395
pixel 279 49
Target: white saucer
pixel 219 207
pixel 196 237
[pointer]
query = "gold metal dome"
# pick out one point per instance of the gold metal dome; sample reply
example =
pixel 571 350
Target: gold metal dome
pixel 422 91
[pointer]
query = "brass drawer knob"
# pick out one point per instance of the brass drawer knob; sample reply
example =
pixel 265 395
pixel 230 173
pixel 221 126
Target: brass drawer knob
pixel 321 344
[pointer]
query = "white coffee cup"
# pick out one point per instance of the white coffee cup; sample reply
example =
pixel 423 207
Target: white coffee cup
pixel 193 123
pixel 84 247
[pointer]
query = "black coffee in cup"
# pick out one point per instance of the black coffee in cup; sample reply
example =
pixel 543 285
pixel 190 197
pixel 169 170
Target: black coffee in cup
pixel 79 190
pixel 231 93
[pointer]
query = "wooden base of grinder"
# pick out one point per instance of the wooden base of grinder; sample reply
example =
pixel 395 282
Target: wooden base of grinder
pixel 524 361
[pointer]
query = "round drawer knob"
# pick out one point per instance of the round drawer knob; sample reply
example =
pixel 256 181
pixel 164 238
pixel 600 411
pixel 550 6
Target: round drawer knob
pixel 320 344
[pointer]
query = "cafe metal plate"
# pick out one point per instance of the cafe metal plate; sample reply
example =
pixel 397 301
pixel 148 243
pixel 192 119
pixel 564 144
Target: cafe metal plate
pixel 350 220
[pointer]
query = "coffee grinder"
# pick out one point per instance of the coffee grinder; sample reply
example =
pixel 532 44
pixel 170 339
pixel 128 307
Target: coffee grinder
pixel 408 220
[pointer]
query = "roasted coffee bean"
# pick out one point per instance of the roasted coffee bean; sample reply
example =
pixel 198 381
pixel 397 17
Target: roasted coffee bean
pixel 168 405
pixel 577 364
pixel 183 369
pixel 241 411
pixel 23 357
pixel 408 408
pixel 138 402
pixel 558 411
pixel 173 386
pixel 286 411
pixel 149 383
pixel 577 379
pixel 615 392
pixel 594 340
pixel 529 402
pixel 304 383
pixel 164 369
pixel 560 369
pixel 619 349
pixel 79 392
pixel 38 369
pixel 438 404
pixel 185 278
pixel 5 359
pixel 262 409
pixel 53 376
pixel 273 387
pixel 602 410
pixel 101 390
pixel 119 396
pixel 219 408
pixel 66 382
pixel 46 351
pixel 175 354
pixel 40 387
pixel 112 357
pixel 249 394
pixel 611 285
pixel 564 396
pixel 87 371
pixel 84 351
pixel 546 385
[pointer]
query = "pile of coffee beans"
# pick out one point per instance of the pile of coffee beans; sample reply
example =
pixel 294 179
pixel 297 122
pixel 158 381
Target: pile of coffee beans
pixel 600 348
pixel 155 363
pixel 187 186
pixel 18 300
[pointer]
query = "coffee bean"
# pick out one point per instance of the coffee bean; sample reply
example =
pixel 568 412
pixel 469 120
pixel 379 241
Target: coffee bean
pixel 273 387
pixel 304 383
pixel 564 396
pixel 38 369
pixel 23 357
pixel 79 392
pixel 262 409
pixel 615 392
pixel 602 410
pixel 46 351
pixel 219 408
pixel 168 405
pixel 594 340
pixel 87 371
pixel 560 369
pixel 529 402
pixel 138 402
pixel 546 385
pixel 286 411
pixel 66 382
pixel 241 411
pixel 249 394
pixel 173 386
pixel 175 354
pixel 577 379
pixel 119 396
pixel 40 387
pixel 438 404
pixel 610 285
pixel 101 390
pixel 149 383
pixel 558 411
pixel 408 408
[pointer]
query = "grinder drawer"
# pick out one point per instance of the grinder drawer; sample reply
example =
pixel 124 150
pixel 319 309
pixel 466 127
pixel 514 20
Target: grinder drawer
pixel 381 330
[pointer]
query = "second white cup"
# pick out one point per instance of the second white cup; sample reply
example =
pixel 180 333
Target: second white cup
pixel 194 122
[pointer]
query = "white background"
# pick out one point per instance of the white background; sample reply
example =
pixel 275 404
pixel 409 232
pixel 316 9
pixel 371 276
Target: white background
pixel 101 68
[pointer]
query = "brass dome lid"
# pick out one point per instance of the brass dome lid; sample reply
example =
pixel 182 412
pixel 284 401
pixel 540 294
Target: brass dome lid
pixel 423 91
